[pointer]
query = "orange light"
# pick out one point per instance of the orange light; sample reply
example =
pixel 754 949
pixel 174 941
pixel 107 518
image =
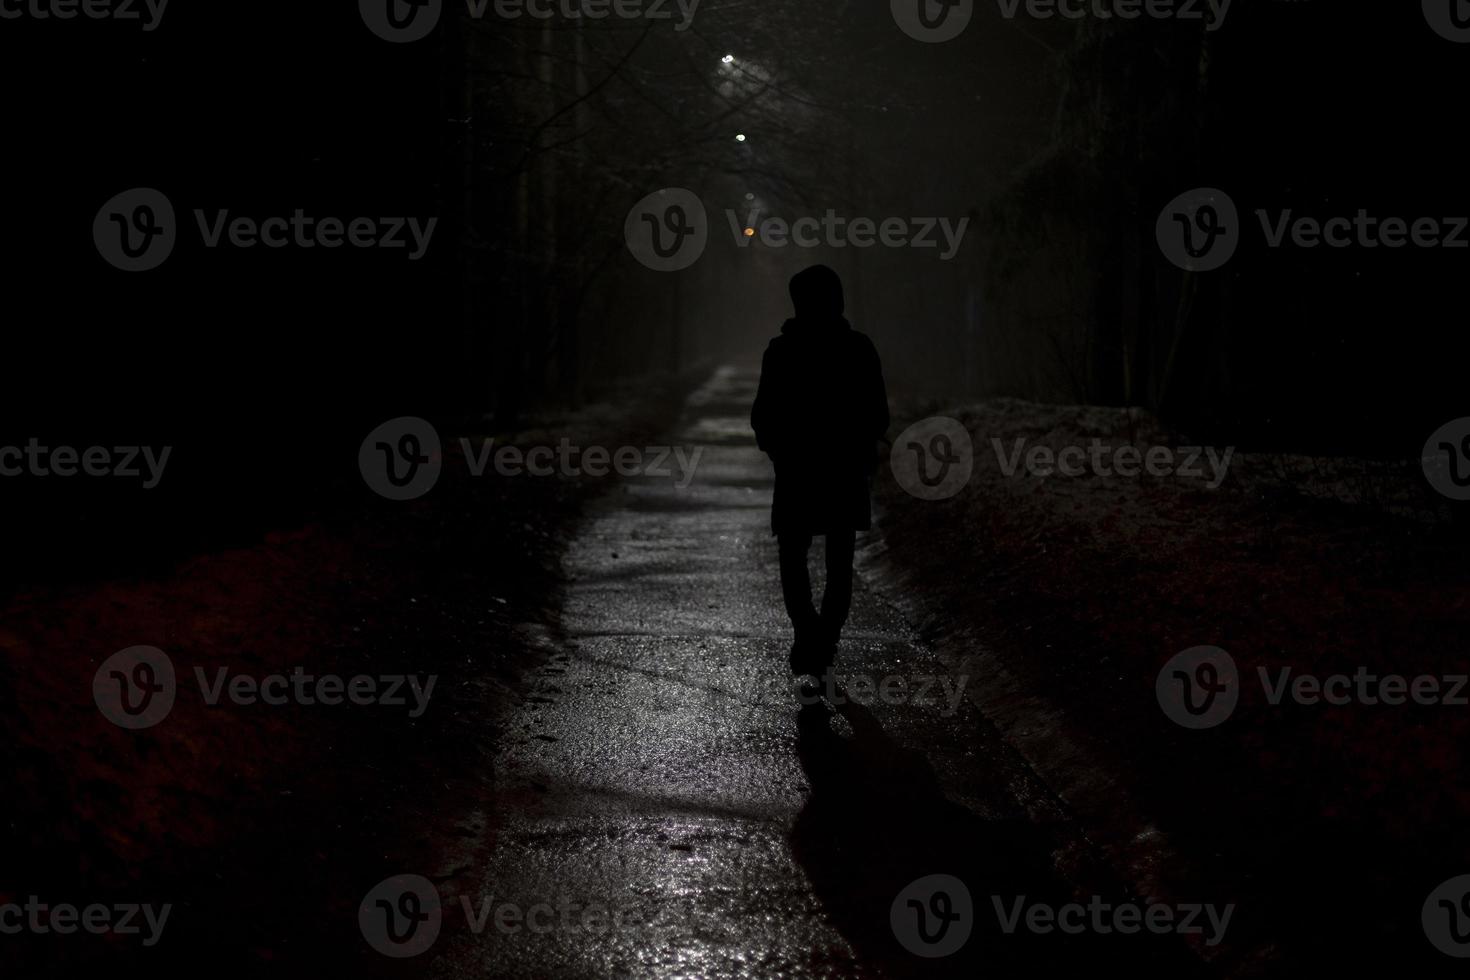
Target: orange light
pixel 750 233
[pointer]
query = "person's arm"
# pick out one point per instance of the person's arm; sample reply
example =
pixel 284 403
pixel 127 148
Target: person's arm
pixel 763 413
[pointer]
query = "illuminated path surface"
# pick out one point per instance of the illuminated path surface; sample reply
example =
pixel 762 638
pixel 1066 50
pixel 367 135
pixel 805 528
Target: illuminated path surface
pixel 659 775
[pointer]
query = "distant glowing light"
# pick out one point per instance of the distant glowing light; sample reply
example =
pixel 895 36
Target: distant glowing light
pixel 740 138
pixel 750 233
pixel 728 59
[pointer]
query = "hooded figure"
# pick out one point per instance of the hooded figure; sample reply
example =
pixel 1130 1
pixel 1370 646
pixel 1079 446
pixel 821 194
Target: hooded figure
pixel 820 412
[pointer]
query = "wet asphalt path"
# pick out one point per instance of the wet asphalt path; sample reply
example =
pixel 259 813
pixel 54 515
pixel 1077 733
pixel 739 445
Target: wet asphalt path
pixel 684 816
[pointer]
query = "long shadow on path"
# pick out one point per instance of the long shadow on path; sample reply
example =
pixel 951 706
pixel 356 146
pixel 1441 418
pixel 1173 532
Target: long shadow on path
pixel 877 820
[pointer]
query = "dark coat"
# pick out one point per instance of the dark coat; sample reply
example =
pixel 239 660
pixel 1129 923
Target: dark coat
pixel 819 413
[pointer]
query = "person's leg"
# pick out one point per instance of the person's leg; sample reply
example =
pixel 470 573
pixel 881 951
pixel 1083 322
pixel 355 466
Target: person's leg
pixel 796 582
pixel 837 597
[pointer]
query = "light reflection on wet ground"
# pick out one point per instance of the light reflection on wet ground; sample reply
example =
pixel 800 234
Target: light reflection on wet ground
pixel 661 771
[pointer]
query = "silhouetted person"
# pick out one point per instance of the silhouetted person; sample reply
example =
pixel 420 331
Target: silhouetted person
pixel 819 414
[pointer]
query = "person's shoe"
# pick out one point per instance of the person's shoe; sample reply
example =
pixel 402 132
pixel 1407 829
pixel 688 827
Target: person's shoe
pixel 824 648
pixel 807 689
pixel 801 644
pixel 806 657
